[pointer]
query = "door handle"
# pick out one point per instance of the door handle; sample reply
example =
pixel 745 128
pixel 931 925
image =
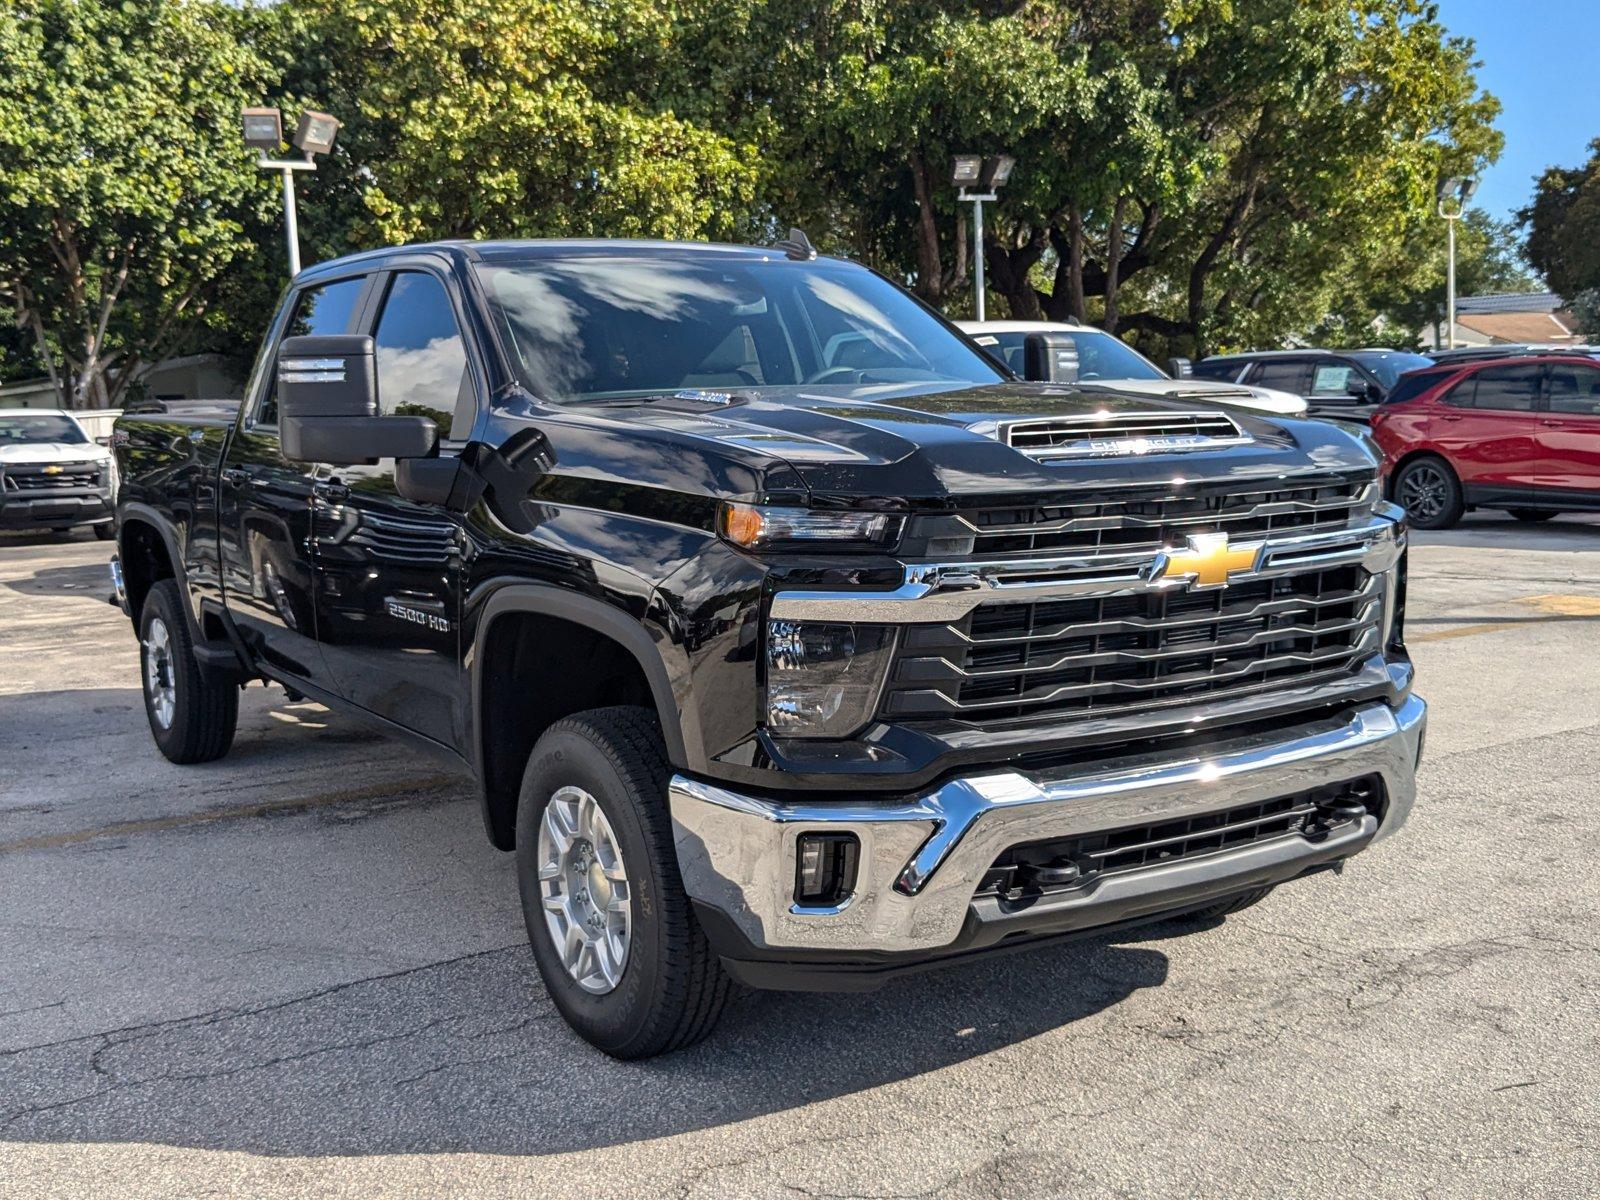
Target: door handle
pixel 235 476
pixel 1449 416
pixel 1552 424
pixel 331 489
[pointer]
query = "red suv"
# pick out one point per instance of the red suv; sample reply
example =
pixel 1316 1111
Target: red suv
pixel 1520 434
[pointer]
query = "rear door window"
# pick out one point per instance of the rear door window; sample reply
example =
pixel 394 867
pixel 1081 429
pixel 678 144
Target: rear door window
pixel 1503 389
pixel 318 312
pixel 1291 375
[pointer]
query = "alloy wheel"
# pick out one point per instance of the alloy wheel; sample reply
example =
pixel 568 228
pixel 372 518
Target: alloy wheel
pixel 1424 492
pixel 159 684
pixel 583 885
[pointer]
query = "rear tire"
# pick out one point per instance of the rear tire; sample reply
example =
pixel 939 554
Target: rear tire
pixel 1232 904
pixel 192 711
pixel 1533 515
pixel 612 930
pixel 1430 493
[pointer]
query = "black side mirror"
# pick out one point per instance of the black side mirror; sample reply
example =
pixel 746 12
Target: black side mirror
pixel 328 406
pixel 1180 368
pixel 1050 358
pixel 1364 391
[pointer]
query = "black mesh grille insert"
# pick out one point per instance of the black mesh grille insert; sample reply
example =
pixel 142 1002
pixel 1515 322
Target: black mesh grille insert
pixel 1042 866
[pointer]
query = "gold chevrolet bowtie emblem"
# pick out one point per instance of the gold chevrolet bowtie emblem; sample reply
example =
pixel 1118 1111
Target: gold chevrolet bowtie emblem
pixel 1207 562
pixel 52 469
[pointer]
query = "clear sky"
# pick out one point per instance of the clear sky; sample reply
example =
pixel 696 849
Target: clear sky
pixel 1542 59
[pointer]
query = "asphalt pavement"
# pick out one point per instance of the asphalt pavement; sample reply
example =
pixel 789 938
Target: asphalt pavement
pixel 301 971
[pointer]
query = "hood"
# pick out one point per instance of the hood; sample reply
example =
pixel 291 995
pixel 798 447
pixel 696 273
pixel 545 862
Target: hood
pixel 887 442
pixel 1194 391
pixel 53 452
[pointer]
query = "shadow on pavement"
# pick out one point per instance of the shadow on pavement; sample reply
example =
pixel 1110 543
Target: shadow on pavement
pixel 469 1056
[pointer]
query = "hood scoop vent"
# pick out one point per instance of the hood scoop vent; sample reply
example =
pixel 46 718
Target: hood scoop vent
pixel 1121 435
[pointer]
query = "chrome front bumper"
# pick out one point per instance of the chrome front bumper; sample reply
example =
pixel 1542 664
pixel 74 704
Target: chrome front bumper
pixel 921 860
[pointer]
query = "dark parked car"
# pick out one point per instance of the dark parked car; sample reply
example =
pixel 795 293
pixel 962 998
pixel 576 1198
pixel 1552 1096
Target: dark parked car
pixel 788 639
pixel 1522 434
pixel 1345 385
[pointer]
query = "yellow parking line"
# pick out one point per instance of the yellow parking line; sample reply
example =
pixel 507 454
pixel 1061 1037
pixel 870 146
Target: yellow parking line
pixel 1565 606
pixel 1464 631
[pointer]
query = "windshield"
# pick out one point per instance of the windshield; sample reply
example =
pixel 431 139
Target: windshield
pixel 19 429
pixel 1100 355
pixel 1389 367
pixel 589 327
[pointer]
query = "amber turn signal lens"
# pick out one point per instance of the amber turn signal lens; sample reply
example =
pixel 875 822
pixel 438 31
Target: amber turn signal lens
pixel 742 524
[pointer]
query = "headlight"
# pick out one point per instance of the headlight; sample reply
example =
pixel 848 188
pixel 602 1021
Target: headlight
pixel 824 680
pixel 757 526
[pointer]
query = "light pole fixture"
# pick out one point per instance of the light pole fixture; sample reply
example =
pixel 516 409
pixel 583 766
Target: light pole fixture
pixel 263 131
pixel 1453 196
pixel 986 174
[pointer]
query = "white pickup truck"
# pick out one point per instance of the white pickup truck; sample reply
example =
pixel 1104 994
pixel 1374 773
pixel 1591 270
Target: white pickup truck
pixel 1065 352
pixel 52 474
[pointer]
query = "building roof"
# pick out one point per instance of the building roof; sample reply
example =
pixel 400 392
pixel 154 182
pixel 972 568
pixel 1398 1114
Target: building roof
pixel 1510 302
pixel 1507 326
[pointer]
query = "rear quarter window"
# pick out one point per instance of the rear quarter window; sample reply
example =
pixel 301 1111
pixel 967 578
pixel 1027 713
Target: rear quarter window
pixel 1413 384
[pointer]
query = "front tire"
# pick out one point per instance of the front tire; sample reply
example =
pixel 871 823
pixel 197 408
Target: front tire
pixel 612 929
pixel 192 712
pixel 105 531
pixel 1430 493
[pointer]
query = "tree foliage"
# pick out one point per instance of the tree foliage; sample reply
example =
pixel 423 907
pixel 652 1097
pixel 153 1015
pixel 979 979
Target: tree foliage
pixel 1197 174
pixel 1563 226
pixel 124 190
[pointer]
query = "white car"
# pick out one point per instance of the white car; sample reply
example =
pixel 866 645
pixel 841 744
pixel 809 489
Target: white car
pixel 1106 360
pixel 52 474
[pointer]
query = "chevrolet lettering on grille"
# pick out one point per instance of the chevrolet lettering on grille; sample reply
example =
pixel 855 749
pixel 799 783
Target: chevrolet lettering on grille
pixel 1207 561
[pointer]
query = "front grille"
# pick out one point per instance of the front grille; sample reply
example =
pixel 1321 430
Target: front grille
pixel 36 479
pixel 1151 522
pixel 1097 435
pixel 1130 648
pixel 1065 863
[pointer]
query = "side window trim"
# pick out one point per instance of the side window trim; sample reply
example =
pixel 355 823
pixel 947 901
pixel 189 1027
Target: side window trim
pixel 371 312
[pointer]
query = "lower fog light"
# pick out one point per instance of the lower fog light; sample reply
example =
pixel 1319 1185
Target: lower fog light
pixel 825 868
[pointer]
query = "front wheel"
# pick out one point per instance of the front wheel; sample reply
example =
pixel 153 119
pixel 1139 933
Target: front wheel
pixel 192 711
pixel 1430 493
pixel 105 531
pixel 612 930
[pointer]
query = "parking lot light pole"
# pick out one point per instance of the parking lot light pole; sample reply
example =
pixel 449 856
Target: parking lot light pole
pixel 1453 196
pixel 263 131
pixel 968 170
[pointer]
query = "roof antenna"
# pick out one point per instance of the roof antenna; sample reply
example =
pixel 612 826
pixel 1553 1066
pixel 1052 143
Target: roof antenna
pixel 798 246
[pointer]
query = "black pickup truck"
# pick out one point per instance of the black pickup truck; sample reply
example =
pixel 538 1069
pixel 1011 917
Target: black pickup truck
pixel 789 640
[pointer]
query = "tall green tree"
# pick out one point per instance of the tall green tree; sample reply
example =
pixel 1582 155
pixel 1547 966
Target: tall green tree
pixel 1562 224
pixel 124 190
pixel 496 118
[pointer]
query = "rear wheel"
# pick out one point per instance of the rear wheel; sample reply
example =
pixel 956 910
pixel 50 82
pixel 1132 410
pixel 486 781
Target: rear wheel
pixel 192 711
pixel 1533 514
pixel 1430 493
pixel 612 930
